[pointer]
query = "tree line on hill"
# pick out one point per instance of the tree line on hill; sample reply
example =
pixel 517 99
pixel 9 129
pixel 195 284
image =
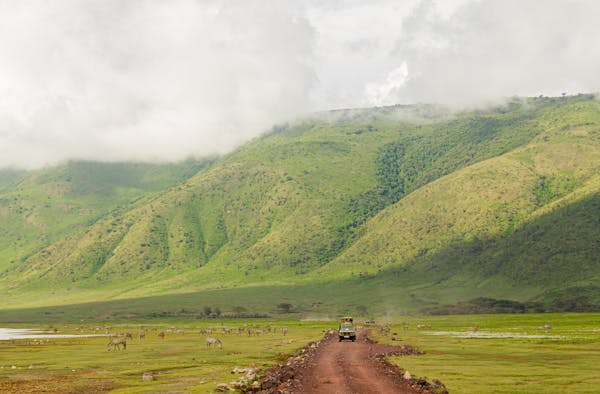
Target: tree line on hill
pixel 484 305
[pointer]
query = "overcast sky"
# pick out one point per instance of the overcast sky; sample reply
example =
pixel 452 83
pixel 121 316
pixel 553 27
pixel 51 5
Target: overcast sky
pixel 165 80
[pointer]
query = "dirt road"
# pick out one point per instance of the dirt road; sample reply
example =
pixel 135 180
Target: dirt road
pixel 350 367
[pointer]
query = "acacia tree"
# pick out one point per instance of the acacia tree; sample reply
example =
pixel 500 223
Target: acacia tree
pixel 285 307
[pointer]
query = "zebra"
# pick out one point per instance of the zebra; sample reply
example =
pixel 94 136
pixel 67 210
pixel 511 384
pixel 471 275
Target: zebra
pixel 213 341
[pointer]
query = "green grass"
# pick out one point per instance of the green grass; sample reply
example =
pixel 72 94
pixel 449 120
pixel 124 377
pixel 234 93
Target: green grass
pixel 181 362
pixel 565 359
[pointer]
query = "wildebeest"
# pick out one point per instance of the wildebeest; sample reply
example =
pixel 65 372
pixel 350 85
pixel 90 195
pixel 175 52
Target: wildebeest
pixel 161 335
pixel 210 341
pixel 117 342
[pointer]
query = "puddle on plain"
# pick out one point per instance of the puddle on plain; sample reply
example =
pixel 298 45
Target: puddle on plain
pixel 484 334
pixel 7 334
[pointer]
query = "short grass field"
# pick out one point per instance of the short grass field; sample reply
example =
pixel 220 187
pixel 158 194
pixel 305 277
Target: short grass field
pixel 181 362
pixel 507 353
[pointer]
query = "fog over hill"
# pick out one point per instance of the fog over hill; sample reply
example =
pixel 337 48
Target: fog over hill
pixel 164 81
pixel 398 208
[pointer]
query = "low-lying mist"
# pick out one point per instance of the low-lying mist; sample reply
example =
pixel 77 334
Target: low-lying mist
pixel 160 81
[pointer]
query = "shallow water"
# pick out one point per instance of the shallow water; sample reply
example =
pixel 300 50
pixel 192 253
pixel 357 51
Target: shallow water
pixel 483 334
pixel 32 333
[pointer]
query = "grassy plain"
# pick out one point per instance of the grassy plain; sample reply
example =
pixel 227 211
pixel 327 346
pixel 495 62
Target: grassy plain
pixel 508 354
pixel 181 362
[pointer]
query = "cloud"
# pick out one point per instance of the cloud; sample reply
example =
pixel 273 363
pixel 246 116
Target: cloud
pixel 159 80
pixel 487 50
pixel 146 80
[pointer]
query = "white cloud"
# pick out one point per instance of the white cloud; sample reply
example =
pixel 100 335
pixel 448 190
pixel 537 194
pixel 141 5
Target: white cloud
pixel 145 80
pixel 384 93
pixel 492 49
pixel 162 80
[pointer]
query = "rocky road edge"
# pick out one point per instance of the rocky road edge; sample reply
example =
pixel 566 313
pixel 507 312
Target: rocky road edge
pixel 279 378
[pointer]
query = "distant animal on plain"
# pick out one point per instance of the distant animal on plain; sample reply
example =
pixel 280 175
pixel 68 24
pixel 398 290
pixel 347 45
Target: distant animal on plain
pixel 116 343
pixel 211 341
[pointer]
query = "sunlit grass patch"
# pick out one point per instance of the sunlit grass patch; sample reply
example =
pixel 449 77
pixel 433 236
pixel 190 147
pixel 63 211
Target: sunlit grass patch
pixel 181 362
pixel 507 353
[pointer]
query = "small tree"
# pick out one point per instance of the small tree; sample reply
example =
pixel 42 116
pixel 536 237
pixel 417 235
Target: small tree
pixel 207 310
pixel 285 307
pixel 217 311
pixel 362 310
pixel 239 309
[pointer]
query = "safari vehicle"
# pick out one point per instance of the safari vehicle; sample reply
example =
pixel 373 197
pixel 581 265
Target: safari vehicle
pixel 346 329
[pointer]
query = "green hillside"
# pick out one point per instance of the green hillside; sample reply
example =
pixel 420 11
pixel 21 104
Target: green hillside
pixel 394 208
pixel 40 207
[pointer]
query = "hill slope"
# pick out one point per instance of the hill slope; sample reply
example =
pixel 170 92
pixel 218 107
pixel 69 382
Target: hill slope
pixel 405 202
pixel 40 207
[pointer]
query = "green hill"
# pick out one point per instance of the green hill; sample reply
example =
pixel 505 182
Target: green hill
pixel 40 207
pixel 390 209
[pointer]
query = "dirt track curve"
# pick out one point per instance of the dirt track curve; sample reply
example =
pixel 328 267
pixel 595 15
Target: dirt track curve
pixel 347 367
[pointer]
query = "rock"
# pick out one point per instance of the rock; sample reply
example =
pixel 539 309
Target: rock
pixel 222 387
pixel 147 377
pixel 437 384
pixel 270 382
pixel 407 375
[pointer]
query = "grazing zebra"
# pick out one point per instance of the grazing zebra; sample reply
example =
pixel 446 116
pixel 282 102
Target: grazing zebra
pixel 117 342
pixel 213 341
pixel 142 335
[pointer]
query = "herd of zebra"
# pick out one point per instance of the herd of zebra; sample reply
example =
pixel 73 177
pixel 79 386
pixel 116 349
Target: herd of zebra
pixel 119 341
